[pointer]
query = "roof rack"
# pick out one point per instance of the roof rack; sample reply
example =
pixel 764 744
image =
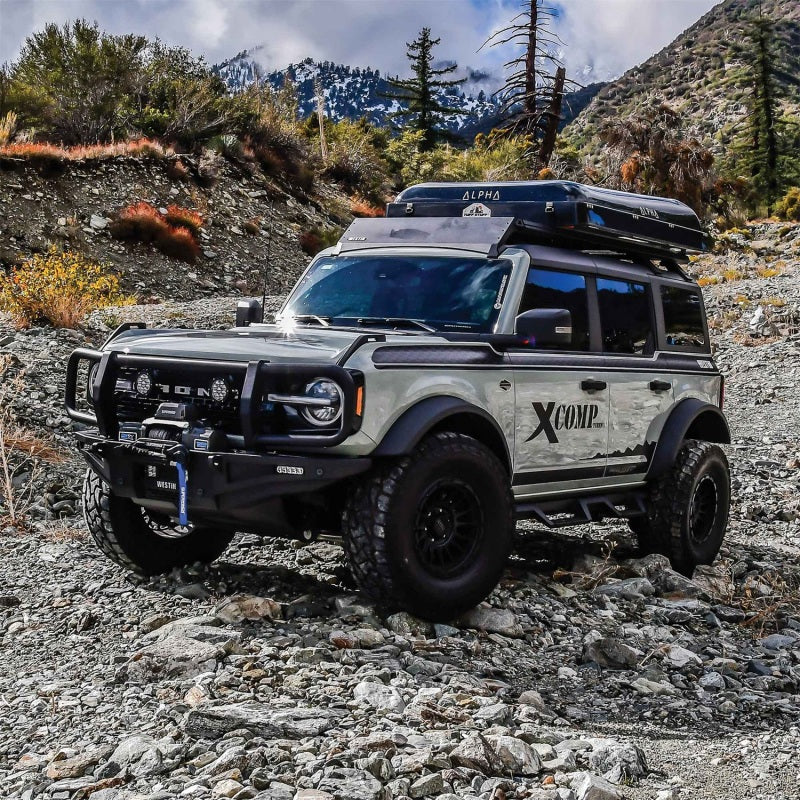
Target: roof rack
pixel 566 214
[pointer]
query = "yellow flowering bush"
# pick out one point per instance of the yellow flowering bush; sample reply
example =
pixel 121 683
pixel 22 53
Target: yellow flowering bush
pixel 58 288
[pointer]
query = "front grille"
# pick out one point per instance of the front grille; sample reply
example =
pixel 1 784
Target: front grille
pixel 174 386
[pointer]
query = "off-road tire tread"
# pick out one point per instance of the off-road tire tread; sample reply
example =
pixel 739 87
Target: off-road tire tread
pixel 669 498
pixel 97 514
pixel 97 509
pixel 365 516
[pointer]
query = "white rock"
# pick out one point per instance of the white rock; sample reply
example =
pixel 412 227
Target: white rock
pixel 240 607
pixel 712 681
pixel 593 787
pixel 493 620
pixel 517 756
pixel 379 696
pixel 619 763
pixel 680 657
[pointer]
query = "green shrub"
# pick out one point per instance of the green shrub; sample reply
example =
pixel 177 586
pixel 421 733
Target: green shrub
pixel 355 158
pixel 789 207
pixel 316 239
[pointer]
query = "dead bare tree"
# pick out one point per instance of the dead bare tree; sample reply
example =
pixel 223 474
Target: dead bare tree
pixel 319 99
pixel 532 96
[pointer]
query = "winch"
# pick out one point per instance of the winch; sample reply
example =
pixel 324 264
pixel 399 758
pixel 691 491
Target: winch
pixel 175 422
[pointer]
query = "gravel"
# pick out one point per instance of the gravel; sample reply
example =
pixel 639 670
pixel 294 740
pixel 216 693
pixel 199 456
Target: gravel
pixel 590 674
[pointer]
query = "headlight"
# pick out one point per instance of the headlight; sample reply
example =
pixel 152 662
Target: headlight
pixel 219 390
pixel 143 383
pixel 328 407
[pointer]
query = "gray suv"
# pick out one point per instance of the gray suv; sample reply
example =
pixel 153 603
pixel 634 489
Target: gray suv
pixel 484 354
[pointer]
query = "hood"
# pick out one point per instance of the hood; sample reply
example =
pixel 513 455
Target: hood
pixel 317 345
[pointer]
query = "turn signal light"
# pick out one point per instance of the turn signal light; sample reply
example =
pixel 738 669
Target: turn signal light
pixel 359 401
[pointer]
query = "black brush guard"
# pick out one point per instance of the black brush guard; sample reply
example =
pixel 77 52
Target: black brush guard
pixel 244 490
pixel 260 378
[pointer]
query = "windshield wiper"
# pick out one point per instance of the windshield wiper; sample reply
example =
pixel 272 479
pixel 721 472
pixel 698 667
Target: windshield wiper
pixel 324 321
pixel 396 322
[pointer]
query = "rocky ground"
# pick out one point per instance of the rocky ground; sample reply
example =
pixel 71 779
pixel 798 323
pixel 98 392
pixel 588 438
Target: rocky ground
pixel 590 674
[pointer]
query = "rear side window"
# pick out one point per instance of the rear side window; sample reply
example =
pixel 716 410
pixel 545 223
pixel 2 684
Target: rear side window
pixel 683 317
pixel 625 317
pixel 547 288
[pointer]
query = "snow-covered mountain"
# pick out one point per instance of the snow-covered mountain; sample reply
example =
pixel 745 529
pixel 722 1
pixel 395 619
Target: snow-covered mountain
pixel 355 92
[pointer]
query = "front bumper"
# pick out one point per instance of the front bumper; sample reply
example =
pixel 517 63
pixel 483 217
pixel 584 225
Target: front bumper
pixel 236 489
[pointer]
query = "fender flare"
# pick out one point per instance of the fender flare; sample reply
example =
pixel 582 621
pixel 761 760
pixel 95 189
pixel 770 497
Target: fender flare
pixel 690 419
pixel 415 423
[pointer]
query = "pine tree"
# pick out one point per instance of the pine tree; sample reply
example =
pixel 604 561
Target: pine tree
pixel 767 150
pixel 423 112
pixel 532 96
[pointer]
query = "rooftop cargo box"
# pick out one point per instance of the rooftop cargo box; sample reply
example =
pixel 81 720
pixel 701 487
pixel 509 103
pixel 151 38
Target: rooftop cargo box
pixel 566 214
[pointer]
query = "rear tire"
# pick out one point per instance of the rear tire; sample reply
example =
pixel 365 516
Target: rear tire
pixel 689 507
pixel 135 541
pixel 431 533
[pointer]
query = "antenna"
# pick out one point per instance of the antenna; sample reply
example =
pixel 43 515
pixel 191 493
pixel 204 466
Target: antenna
pixel 267 262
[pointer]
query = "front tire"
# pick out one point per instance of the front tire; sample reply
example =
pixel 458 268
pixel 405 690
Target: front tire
pixel 431 533
pixel 132 539
pixel 689 508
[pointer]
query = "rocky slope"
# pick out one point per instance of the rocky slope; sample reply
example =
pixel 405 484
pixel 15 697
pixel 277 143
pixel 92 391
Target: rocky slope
pixel 590 674
pixel 700 74
pixel 73 206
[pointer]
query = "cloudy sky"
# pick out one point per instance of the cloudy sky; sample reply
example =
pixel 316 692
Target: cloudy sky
pixel 609 35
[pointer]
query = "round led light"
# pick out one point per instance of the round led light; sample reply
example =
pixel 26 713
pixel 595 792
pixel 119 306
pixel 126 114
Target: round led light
pixel 323 389
pixel 143 383
pixel 219 390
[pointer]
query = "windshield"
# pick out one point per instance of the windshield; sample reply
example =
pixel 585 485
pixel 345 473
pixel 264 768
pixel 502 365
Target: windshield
pixel 443 293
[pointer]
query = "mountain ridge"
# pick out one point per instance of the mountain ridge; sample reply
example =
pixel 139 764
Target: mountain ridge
pixel 356 92
pixel 700 73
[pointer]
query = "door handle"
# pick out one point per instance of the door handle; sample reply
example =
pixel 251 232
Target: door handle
pixel 591 385
pixel 660 386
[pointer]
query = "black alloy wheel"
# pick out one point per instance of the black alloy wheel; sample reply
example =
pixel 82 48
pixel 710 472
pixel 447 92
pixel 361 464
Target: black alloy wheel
pixel 448 528
pixel 431 533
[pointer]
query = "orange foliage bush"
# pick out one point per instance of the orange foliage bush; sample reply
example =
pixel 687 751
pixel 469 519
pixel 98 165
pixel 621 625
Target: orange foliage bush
pixel 179 243
pixel 630 170
pixel 59 288
pixel 180 217
pixel 362 208
pixel 310 243
pixel 173 233
pixel 32 150
pixel 42 152
pixel 253 226
pixel 140 222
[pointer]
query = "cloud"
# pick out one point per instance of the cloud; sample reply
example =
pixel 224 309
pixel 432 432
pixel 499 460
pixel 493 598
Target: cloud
pixel 609 35
pixel 357 32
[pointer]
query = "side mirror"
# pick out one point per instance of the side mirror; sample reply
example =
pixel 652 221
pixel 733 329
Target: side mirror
pixel 545 327
pixel 248 312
